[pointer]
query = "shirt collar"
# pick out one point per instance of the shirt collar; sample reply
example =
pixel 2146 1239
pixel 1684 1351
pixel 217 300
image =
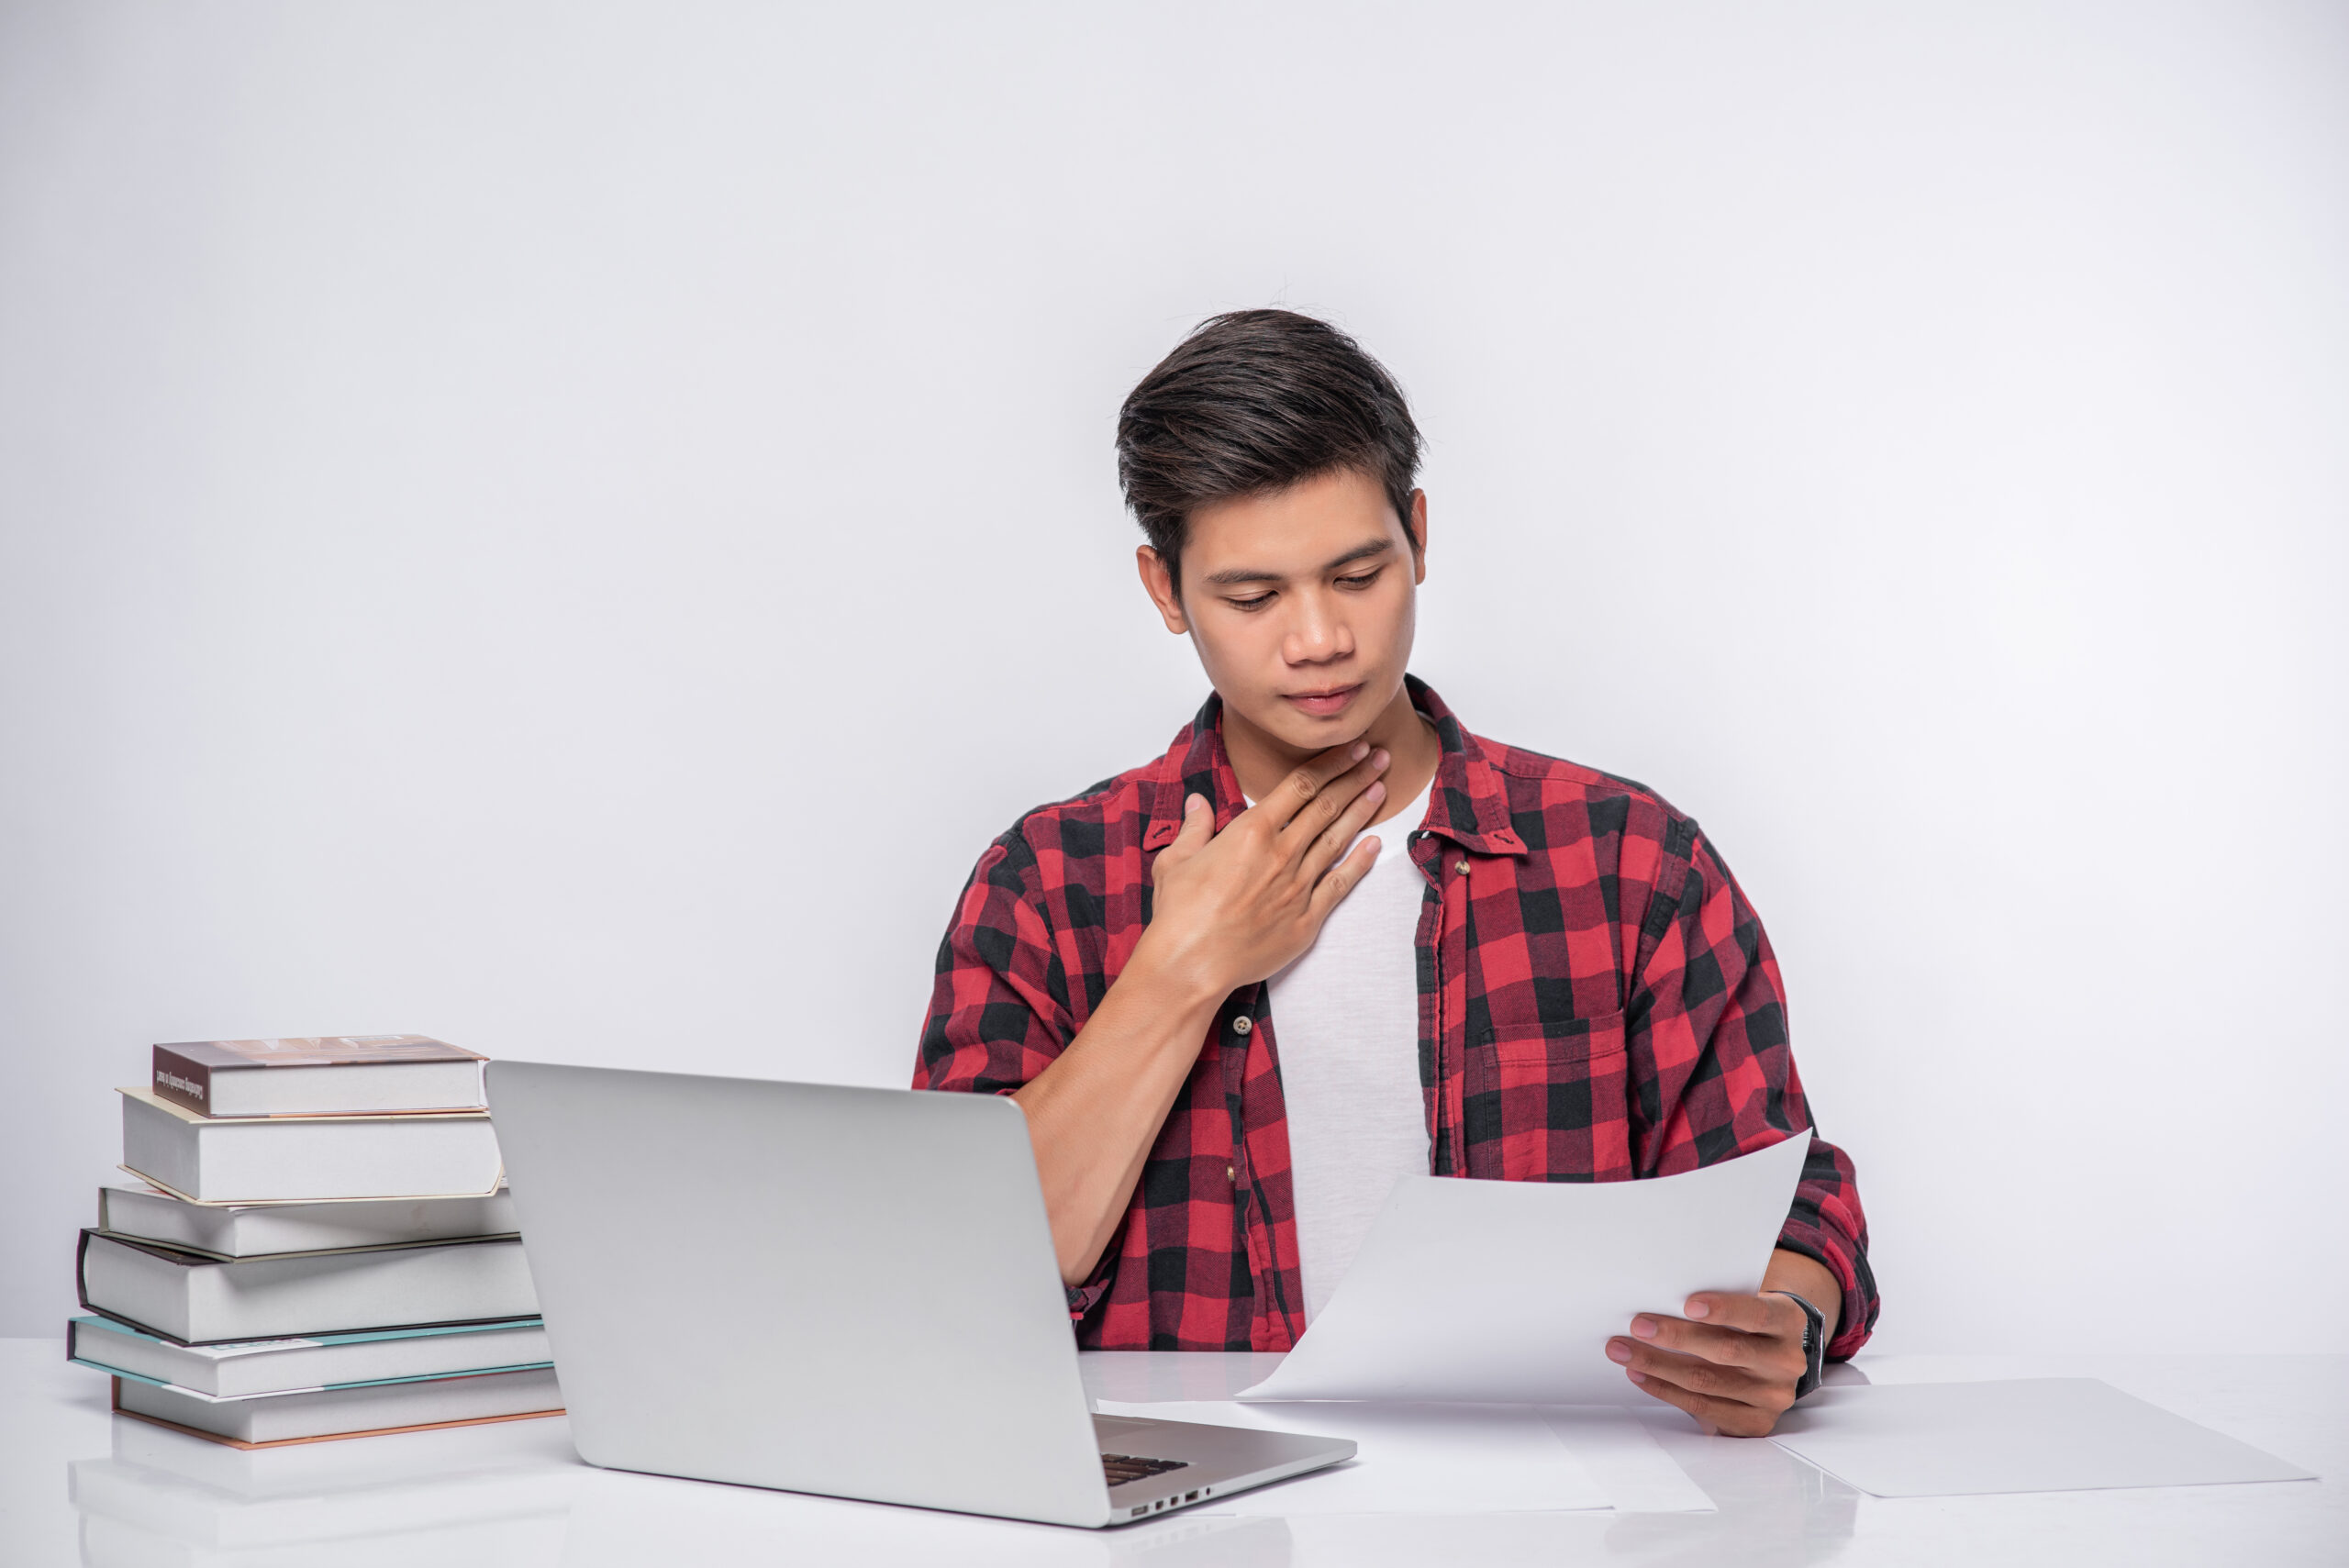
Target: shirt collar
pixel 1465 805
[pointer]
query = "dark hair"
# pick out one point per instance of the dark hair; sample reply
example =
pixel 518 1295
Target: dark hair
pixel 1254 401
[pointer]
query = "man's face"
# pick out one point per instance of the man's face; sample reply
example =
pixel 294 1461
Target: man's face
pixel 1300 605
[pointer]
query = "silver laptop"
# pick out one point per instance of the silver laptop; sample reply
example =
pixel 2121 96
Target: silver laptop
pixel 851 1292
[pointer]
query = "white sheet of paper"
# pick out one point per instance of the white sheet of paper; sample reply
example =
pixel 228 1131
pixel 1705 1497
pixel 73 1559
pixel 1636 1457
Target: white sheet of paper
pixel 1507 1292
pixel 1412 1458
pixel 1622 1456
pixel 2038 1434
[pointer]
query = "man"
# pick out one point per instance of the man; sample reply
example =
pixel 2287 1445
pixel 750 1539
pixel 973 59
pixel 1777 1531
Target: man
pixel 1526 971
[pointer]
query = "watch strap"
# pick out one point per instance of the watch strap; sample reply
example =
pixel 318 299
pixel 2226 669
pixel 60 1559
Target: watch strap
pixel 1814 1343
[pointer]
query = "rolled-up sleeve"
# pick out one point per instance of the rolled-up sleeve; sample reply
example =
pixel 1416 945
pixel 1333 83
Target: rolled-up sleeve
pixel 998 1011
pixel 1826 1225
pixel 1713 1073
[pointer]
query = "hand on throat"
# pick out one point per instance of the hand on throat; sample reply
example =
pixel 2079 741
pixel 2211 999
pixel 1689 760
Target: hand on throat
pixel 1261 759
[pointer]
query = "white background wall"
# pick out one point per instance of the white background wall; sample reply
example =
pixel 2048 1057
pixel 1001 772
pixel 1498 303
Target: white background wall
pixel 568 529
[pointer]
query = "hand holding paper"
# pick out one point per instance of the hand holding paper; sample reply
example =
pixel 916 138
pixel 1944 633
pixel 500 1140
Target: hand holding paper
pixel 1733 1361
pixel 1508 1292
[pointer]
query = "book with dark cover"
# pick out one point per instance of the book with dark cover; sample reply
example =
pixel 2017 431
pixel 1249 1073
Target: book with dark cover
pixel 319 1075
pixel 186 1299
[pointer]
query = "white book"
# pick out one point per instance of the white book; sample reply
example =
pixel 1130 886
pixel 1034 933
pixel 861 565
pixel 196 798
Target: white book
pixel 346 1412
pixel 280 1158
pixel 198 1300
pixel 242 1368
pixel 246 1231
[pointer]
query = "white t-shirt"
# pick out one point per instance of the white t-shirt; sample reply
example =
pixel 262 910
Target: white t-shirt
pixel 1346 1023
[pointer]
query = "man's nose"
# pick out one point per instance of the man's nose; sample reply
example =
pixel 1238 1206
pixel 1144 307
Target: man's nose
pixel 1318 634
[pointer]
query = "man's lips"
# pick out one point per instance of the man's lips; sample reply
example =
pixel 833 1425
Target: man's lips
pixel 1326 703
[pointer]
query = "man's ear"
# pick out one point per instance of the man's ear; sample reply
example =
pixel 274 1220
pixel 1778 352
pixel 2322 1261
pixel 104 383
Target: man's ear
pixel 1159 584
pixel 1418 531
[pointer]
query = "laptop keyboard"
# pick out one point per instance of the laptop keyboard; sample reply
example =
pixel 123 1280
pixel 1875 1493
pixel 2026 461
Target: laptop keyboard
pixel 1124 1467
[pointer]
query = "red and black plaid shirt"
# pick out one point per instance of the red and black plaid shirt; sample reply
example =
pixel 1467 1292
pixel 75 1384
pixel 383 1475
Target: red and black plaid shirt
pixel 1597 1002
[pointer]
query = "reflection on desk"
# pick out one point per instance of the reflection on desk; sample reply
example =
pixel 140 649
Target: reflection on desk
pixel 160 1488
pixel 77 1485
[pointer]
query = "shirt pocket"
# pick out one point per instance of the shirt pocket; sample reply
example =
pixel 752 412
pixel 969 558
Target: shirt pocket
pixel 1556 1102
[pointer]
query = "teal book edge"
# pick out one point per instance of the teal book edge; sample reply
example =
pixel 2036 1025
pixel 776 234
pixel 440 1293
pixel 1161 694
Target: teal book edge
pixel 305 1341
pixel 259 1346
pixel 312 1388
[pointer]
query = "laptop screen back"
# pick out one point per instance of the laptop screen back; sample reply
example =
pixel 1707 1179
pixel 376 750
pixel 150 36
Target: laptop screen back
pixel 836 1290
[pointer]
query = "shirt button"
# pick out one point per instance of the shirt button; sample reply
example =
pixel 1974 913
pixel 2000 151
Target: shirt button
pixel 1463 867
pixel 1232 1174
pixel 1242 1024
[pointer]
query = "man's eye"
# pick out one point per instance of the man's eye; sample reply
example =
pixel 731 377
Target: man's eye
pixel 1258 602
pixel 1363 581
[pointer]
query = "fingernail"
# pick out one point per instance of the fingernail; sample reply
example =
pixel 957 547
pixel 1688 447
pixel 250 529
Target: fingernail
pixel 1638 1376
pixel 1619 1352
pixel 1376 791
pixel 1696 1306
pixel 1643 1327
pixel 1379 758
pixel 1362 750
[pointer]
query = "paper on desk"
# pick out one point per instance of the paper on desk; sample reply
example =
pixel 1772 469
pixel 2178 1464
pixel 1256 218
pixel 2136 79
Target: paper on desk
pixel 1410 1459
pixel 1508 1292
pixel 2039 1434
pixel 1622 1456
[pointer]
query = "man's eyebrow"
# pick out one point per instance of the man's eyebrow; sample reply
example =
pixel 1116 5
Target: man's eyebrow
pixel 1254 574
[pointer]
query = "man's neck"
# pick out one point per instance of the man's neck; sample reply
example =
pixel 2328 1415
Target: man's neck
pixel 1262 759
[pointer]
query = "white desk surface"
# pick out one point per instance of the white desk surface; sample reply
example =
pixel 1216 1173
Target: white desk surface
pixel 79 1485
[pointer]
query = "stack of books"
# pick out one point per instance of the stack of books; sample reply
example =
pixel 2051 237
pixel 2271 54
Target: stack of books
pixel 323 1247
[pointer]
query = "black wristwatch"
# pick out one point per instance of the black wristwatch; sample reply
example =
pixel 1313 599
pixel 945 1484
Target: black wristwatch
pixel 1814 1343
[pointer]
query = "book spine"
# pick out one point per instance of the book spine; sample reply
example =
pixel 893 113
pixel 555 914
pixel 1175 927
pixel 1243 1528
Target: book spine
pixel 82 1289
pixel 183 1082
